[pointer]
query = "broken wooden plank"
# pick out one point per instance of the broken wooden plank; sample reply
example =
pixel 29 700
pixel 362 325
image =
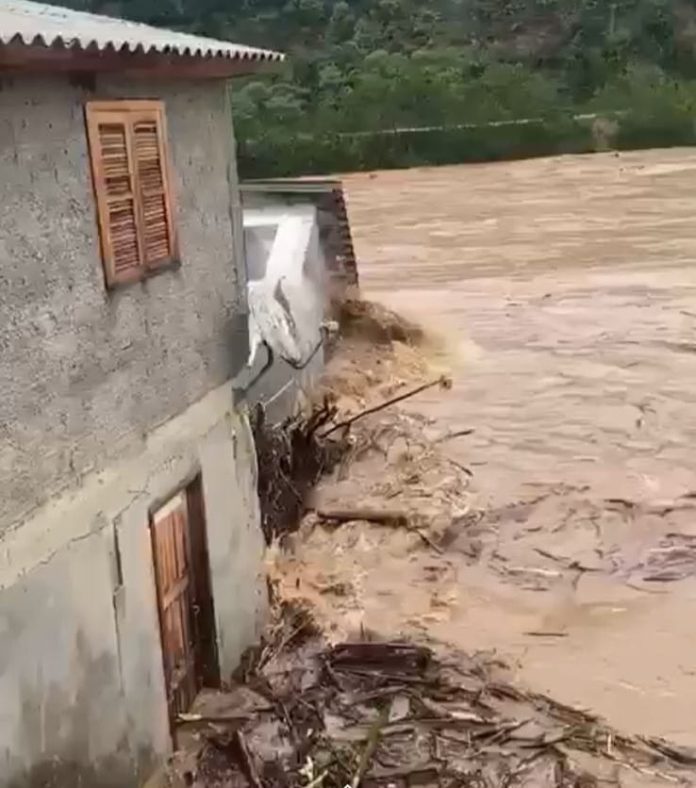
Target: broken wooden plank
pixel 381 516
pixel 399 657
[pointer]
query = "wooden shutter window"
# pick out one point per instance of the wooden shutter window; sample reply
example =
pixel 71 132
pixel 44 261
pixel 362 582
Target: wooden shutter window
pixel 127 142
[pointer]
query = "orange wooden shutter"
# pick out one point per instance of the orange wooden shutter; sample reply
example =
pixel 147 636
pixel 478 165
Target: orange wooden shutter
pixel 129 166
pixel 147 151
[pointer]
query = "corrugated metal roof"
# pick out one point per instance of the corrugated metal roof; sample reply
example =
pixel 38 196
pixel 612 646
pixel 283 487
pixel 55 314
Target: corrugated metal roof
pixel 37 24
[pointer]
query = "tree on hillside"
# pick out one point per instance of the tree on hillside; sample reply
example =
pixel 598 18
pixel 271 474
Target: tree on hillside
pixel 358 65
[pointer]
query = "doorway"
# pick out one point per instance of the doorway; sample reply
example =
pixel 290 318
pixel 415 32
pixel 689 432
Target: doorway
pixel 184 598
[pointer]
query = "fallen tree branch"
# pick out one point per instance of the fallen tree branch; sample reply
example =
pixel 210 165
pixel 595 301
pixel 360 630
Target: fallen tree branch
pixel 428 541
pixel 458 434
pixel 404 657
pixel 461 467
pixel 443 381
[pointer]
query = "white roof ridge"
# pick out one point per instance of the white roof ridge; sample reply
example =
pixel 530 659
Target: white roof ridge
pixel 39 24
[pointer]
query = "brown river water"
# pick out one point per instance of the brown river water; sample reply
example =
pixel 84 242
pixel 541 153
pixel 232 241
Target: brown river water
pixel 565 290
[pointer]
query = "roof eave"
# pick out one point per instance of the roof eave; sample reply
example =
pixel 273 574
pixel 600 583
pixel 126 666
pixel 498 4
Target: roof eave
pixel 37 57
pixel 303 185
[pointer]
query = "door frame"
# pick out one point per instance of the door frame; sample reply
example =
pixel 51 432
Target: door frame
pixel 202 628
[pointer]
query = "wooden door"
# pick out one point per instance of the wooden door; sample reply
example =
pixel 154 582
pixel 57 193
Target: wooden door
pixel 171 548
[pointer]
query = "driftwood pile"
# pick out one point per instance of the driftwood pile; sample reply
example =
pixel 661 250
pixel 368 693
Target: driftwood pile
pixel 291 458
pixel 294 454
pixel 378 714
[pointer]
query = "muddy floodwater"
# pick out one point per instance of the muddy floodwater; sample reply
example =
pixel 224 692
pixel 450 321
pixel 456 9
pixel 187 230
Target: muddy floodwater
pixel 565 290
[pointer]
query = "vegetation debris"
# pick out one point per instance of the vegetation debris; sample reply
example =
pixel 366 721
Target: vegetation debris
pixel 291 458
pixel 372 713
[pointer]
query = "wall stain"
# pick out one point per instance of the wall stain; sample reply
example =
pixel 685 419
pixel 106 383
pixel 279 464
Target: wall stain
pixel 57 724
pixel 57 773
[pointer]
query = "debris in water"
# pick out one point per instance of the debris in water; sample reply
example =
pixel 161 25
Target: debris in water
pixel 443 382
pixel 673 559
pixel 294 454
pixel 372 322
pixel 400 714
pixel 381 516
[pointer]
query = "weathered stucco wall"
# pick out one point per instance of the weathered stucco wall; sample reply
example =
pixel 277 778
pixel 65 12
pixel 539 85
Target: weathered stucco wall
pixel 82 697
pixel 85 373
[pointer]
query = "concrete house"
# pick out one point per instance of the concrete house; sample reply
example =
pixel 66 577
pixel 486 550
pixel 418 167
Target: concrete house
pixel 130 548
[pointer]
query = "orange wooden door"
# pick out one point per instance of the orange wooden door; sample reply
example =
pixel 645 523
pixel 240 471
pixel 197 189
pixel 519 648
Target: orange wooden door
pixel 171 547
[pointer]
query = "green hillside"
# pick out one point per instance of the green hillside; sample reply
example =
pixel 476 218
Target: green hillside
pixel 366 65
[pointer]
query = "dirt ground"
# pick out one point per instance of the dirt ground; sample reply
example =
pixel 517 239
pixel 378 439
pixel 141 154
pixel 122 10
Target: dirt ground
pixel 565 291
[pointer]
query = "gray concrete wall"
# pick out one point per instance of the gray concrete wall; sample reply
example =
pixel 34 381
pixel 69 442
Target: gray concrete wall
pixel 82 697
pixel 86 373
pixel 111 402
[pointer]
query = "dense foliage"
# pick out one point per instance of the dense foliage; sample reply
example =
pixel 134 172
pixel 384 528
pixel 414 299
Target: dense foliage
pixel 359 66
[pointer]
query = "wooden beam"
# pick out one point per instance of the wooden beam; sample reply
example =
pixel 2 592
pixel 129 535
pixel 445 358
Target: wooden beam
pixel 38 59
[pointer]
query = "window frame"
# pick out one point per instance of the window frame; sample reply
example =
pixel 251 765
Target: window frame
pixel 128 112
